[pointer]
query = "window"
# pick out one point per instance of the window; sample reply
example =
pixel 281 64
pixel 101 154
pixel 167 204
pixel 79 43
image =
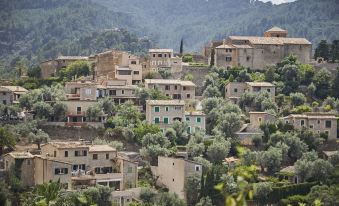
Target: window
pixel 328 124
pixel 129 170
pixel 175 87
pixel 136 72
pixel 88 91
pixel 177 108
pixel 189 130
pixel 318 121
pixel 248 58
pixel 133 62
pixel 187 119
pixel 235 90
pixel 197 168
pixel 169 55
pixel 228 59
pixel 61 171
pixel 268 90
pixel 122 91
pixel 302 122
pixel 259 119
pixel 153 55
pixel 188 95
pixel 156 120
pixel 95 156
pixel 4 101
pixel 78 110
pixel 166 120
pixel 55 153
pixel 167 87
pixel 66 153
pixel 184 88
pixel 165 55
pixel 107 156
pixel 156 109
pixel 78 153
pixel 167 109
pixel 311 126
pixel 198 119
pixel 112 92
pixel 159 55
pixel 173 179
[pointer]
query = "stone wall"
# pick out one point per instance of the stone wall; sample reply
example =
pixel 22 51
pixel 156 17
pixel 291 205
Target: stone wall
pixel 198 73
pixel 71 133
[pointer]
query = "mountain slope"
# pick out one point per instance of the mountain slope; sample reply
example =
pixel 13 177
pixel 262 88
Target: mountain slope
pixel 41 29
pixel 198 21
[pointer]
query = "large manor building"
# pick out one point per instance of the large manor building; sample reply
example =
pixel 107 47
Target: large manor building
pixel 257 52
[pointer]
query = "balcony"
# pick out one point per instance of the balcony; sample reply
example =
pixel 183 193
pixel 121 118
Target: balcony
pixel 73 96
pixel 76 114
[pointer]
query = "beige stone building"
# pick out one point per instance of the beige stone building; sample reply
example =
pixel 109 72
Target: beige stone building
pixel 108 62
pixel 118 90
pixel 164 58
pixel 172 173
pixel 259 118
pixel 131 74
pixel 81 90
pixel 11 94
pixel 50 68
pixel 35 169
pixel 165 112
pixel 196 121
pixel 94 164
pixel 234 90
pixel 318 122
pixel 174 88
pixel 257 52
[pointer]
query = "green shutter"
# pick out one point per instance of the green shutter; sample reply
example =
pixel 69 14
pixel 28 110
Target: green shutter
pixel 166 120
pixel 198 119
pixel 157 120
pixel 156 109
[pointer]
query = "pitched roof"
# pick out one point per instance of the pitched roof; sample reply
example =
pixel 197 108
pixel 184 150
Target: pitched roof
pixel 276 29
pixel 161 50
pixel 15 88
pixel 271 40
pixel 169 81
pixel 165 102
pixel 72 58
pixel 260 84
pixel 20 155
pixel 101 148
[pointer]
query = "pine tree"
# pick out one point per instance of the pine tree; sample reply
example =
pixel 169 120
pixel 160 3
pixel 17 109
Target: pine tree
pixel 322 50
pixel 182 46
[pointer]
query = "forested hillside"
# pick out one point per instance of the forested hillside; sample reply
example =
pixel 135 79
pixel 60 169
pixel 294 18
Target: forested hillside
pixel 36 30
pixel 198 21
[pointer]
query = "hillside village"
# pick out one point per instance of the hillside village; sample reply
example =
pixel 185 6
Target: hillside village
pixel 250 120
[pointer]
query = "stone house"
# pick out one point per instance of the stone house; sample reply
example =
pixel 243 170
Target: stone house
pixel 174 88
pixel 77 112
pixel 259 118
pixel 50 68
pixel 257 52
pixel 11 94
pixel 172 173
pixel 164 112
pixel 35 169
pixel 234 90
pixel 106 63
pixel 118 90
pixel 94 164
pixel 318 122
pixel 164 58
pixel 196 120
pixel 81 90
pixel 132 74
